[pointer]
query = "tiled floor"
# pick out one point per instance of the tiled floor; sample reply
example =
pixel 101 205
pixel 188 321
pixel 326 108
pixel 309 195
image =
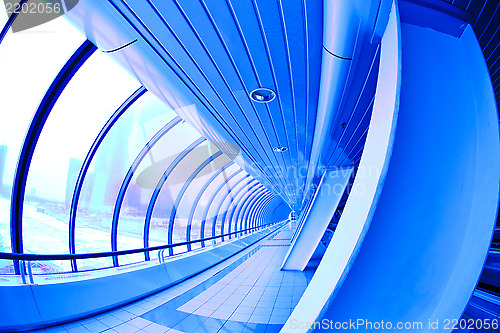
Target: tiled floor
pixel 247 293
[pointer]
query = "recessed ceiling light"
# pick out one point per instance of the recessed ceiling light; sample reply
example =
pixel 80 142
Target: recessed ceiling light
pixel 280 149
pixel 262 95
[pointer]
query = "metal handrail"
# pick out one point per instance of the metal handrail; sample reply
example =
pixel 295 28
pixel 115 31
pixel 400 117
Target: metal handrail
pixel 46 257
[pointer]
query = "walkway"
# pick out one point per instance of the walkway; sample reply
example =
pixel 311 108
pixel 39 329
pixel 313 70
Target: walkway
pixel 247 293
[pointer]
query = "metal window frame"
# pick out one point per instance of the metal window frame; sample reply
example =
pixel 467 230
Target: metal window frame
pixel 236 204
pixel 10 21
pixel 219 206
pixel 267 210
pixel 74 63
pixel 197 200
pixel 255 193
pixel 159 187
pixel 250 206
pixel 86 164
pixel 233 199
pixel 263 209
pixel 207 208
pixel 255 209
pixel 130 173
pixel 181 193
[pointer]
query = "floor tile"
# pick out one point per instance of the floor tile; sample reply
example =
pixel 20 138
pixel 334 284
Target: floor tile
pixel 240 317
pixel 78 329
pixel 111 321
pixel 70 324
pixel 126 328
pixel 155 328
pixel 243 294
pixel 139 322
pixel 234 326
pixel 95 326
pixel 123 315
pixel 260 319
pixel 136 310
pixel 221 314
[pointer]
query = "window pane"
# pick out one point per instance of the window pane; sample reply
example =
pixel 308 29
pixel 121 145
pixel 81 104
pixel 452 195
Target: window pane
pixel 155 115
pixel 102 184
pixel 192 191
pixel 221 195
pixel 131 223
pixel 29 61
pixel 90 98
pixel 206 201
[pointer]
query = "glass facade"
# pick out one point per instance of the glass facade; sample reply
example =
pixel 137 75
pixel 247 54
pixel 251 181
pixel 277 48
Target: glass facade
pixel 135 155
pixel 113 168
pixel 29 61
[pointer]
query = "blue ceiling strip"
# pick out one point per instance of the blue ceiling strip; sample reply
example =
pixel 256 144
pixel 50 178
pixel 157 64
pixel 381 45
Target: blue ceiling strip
pixel 181 194
pixel 278 95
pixel 249 197
pixel 296 128
pixel 85 166
pixel 233 199
pixel 158 188
pixel 240 79
pixel 255 71
pixel 226 83
pixel 21 175
pixel 197 200
pixel 130 173
pixel 234 207
pixel 217 210
pixel 207 208
pixel 11 20
pixel 200 70
pixel 186 81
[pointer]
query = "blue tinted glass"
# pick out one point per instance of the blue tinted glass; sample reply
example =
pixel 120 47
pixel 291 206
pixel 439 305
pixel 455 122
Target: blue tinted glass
pixel 38 53
pixel 68 134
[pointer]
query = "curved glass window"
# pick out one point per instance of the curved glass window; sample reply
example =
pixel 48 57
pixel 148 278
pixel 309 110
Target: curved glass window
pixel 29 61
pixel 163 209
pixel 216 210
pixel 106 173
pixel 111 214
pixel 90 98
pixel 146 178
pixel 223 222
pixel 186 204
pixel 201 216
pixel 231 224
